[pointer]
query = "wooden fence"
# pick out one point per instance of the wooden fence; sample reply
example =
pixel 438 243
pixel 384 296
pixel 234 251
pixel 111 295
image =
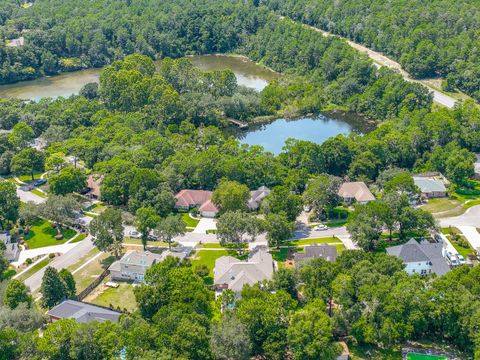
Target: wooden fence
pixel 84 293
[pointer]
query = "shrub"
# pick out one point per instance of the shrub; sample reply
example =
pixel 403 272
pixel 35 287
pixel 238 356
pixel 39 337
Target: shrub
pixel 202 270
pixel 28 261
pixel 51 256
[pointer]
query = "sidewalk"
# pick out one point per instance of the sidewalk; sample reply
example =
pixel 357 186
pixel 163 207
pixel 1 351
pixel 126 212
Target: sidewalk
pixel 472 236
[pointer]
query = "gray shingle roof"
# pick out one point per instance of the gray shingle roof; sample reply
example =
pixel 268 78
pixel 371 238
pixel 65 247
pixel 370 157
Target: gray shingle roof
pixel 82 312
pixel 412 251
pixel 325 251
pixel 429 185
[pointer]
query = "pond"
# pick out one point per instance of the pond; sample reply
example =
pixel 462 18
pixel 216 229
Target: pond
pixel 316 129
pixel 247 72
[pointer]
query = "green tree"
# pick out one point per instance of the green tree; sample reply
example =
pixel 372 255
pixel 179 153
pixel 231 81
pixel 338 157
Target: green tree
pixel 229 339
pixel 366 225
pixel 69 281
pixel 322 194
pixel 55 162
pixel 53 288
pixel 279 228
pixel 68 180
pixel 21 136
pixel 107 231
pixel 28 161
pixel 146 220
pixel 16 293
pixel 231 196
pixel 9 203
pixel 281 199
pixel 310 333
pixel 62 210
pixel 168 228
pixel 236 227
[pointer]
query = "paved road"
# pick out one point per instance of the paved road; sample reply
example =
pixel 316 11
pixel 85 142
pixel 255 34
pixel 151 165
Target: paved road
pixel 471 217
pixel 65 260
pixel 382 60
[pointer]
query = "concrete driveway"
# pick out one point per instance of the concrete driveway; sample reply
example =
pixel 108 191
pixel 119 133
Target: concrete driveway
pixel 26 196
pixel 472 235
pixel 205 224
pixel 470 218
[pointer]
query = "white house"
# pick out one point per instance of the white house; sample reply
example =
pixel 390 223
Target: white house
pixel 12 250
pixel 424 258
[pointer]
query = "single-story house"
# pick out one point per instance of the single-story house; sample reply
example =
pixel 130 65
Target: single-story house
pixel 188 199
pixel 19 42
pixel 325 251
pixel 135 263
pixel 356 191
pixel 82 312
pixel 232 273
pixel 430 186
pixel 257 196
pixel 12 250
pixel 421 258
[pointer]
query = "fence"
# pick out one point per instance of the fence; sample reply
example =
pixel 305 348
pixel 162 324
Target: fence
pixel 84 293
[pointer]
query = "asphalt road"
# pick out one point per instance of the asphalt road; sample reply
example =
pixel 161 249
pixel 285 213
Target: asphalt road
pixel 470 218
pixel 63 261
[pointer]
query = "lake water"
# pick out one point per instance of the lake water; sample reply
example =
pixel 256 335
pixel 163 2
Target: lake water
pixel 316 129
pixel 247 72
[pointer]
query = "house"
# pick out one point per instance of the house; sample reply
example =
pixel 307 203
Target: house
pixel 93 185
pixel 431 186
pixel 325 251
pixel 12 250
pixel 357 191
pixel 232 273
pixel 19 42
pixel 188 199
pixel 135 263
pixel 82 312
pixel 257 196
pixel 424 258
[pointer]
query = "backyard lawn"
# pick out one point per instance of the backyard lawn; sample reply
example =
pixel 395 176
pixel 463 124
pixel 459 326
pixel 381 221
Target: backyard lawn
pixel 43 234
pixel 121 297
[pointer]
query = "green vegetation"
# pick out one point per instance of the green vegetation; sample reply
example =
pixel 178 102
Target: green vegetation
pixel 189 221
pixel 414 356
pixel 43 234
pixel 79 238
pixel 90 272
pixel 117 298
pixel 440 205
pixel 208 257
pixel 39 265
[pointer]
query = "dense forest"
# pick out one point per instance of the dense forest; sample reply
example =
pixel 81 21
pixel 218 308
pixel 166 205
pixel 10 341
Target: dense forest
pixel 430 39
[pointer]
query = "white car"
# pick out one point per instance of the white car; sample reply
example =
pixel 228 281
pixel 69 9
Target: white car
pixel 134 234
pixel 320 227
pixel 461 259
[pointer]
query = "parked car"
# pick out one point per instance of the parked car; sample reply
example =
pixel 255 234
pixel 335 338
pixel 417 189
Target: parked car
pixel 152 237
pixel 320 227
pixel 452 259
pixel 40 182
pixel 134 234
pixel 461 259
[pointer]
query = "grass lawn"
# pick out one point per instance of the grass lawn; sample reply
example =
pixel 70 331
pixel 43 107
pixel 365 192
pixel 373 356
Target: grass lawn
pixel 85 276
pixel 28 178
pixel 472 192
pixel 128 240
pixel 441 205
pixel 43 234
pixel 280 255
pixel 79 238
pixel 38 193
pixel 122 297
pixel 210 246
pixel 34 269
pixel 83 259
pixel 208 257
pixel 190 222
pixel 372 353
pixel 413 356
pixel 311 241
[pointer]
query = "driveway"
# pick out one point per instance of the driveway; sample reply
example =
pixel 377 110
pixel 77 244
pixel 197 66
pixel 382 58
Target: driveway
pixel 31 253
pixel 65 260
pixel 471 217
pixel 472 235
pixel 26 196
pixel 205 224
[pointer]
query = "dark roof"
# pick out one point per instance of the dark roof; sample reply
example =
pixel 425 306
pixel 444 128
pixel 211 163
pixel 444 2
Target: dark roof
pixel 412 251
pixel 313 251
pixel 82 312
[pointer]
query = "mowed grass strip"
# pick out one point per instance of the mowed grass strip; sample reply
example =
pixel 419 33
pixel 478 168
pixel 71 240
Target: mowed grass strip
pixel 39 265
